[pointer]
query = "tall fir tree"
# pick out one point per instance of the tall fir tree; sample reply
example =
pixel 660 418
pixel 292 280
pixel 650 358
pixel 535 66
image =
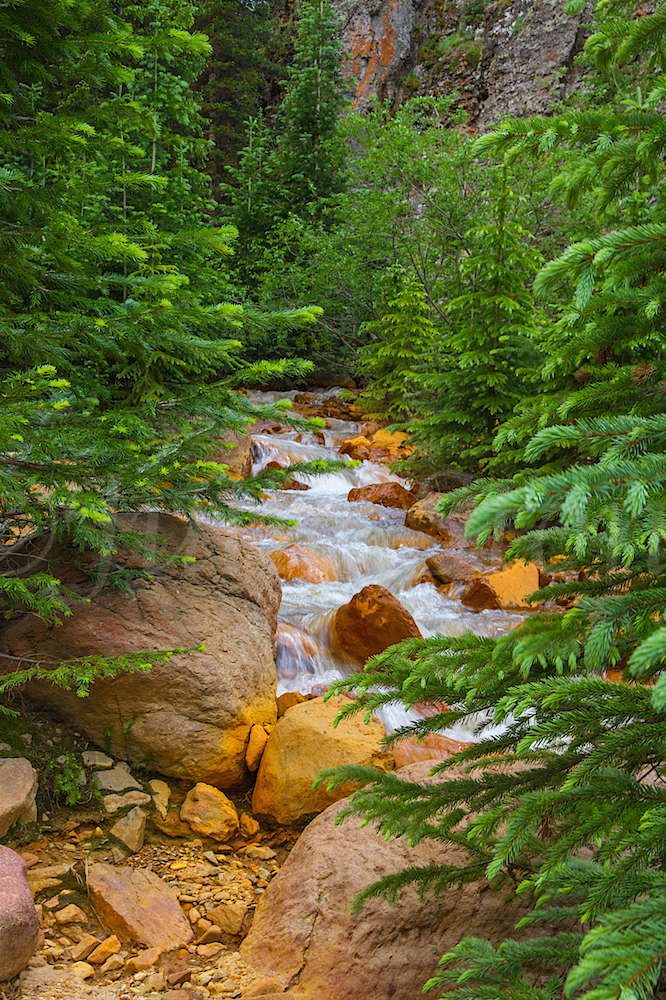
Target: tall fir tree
pixel 293 164
pixel 310 153
pixel 402 338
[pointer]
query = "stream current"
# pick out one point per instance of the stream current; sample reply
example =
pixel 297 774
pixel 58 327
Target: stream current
pixel 361 544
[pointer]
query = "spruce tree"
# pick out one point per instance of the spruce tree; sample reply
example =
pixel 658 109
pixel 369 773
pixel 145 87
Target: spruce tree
pixel 118 370
pixel 310 152
pixel 488 343
pixel 293 164
pixel 576 816
pixel 402 338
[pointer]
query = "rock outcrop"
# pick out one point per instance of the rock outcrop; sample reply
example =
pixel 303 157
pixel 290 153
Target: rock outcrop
pixel 514 58
pixel 189 717
pixel 19 929
pixel 373 620
pixel 305 937
pixel 304 742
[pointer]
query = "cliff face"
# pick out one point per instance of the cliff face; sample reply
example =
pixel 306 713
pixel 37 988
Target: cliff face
pixel 509 57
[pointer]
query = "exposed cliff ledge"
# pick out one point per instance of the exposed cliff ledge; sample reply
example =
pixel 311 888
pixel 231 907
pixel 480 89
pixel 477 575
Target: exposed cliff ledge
pixel 509 57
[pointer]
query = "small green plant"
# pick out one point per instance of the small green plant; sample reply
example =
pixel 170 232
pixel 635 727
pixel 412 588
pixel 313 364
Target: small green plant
pixel 518 25
pixel 66 779
pixel 454 42
pixel 473 55
pixel 410 82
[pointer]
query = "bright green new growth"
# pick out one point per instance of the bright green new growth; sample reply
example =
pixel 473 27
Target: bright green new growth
pixel 402 340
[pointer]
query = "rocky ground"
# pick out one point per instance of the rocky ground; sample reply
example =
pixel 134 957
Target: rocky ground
pixel 210 889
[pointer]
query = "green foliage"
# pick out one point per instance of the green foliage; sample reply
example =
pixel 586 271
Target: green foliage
pixel 400 339
pixel 232 82
pixel 291 168
pixel 567 798
pixel 472 11
pixel 119 354
pixel 489 341
pixel 66 779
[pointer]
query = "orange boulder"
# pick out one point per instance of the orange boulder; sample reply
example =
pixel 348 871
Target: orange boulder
pixel 373 620
pixel 448 568
pixel 356 447
pixel 506 589
pixel 297 562
pixel 384 494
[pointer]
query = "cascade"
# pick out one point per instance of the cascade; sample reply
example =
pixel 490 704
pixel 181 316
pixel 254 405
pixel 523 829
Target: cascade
pixel 351 545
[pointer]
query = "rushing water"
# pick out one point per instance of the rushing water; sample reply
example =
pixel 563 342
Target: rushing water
pixel 358 544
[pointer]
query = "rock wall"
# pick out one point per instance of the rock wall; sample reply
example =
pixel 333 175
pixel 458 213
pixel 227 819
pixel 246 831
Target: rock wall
pixel 514 58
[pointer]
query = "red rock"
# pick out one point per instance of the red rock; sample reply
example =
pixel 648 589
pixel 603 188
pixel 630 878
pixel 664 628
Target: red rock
pixel 305 937
pixel 138 906
pixel 505 589
pixel 450 531
pixel 373 620
pixel 447 568
pixel 298 563
pixel 426 709
pixel 433 747
pixel 384 494
pixel 357 448
pixel 19 927
pixel 291 483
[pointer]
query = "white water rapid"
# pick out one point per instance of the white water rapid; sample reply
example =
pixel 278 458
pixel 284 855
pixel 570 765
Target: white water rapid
pixel 360 543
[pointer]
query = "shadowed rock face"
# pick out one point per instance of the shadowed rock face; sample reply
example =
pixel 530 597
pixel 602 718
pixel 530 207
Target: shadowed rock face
pixel 518 59
pixel 191 716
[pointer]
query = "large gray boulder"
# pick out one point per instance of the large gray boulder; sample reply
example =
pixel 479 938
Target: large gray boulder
pixel 191 716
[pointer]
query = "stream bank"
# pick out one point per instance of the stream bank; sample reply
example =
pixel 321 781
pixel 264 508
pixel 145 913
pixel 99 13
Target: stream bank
pixel 343 547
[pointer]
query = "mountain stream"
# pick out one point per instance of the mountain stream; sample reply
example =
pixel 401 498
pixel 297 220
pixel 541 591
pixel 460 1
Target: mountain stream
pixel 360 543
